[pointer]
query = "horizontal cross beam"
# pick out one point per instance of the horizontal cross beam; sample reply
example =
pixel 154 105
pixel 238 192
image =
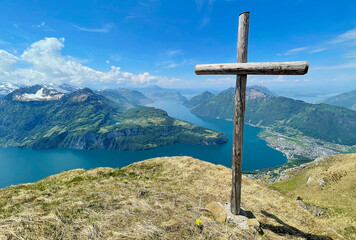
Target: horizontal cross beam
pixel 263 68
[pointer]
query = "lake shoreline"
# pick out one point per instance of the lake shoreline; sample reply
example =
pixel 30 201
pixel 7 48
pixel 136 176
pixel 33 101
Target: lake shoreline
pixel 18 165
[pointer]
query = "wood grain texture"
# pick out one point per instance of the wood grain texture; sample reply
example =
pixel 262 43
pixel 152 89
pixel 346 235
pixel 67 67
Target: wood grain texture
pixel 239 115
pixel 263 68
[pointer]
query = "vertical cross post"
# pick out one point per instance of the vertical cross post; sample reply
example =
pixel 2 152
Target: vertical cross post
pixel 239 116
pixel 241 69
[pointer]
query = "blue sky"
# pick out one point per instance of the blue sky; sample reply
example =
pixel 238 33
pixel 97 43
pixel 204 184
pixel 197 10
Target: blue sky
pixel 137 43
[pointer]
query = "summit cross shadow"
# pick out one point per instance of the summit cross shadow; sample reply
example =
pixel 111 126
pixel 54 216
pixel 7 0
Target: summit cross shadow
pixel 284 229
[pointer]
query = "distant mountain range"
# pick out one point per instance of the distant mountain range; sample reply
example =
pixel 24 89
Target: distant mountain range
pixel 263 89
pixel 347 100
pixel 284 115
pixel 42 117
pixel 140 96
pixel 155 92
pixel 124 96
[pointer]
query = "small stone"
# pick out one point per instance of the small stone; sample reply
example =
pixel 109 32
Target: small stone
pixel 221 218
pixel 310 179
pixel 215 208
pixel 321 181
pixel 253 223
pixel 300 203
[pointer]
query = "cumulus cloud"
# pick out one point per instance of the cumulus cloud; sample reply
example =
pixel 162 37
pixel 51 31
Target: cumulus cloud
pixel 7 61
pixel 47 64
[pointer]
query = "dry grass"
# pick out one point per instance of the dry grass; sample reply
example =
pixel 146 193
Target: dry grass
pixel 154 199
pixel 330 184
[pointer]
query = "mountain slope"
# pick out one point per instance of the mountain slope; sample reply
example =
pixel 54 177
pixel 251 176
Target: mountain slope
pixel 124 96
pixel 326 185
pixel 347 100
pixel 85 120
pixel 199 99
pixel 287 116
pixel 153 199
pixel 263 89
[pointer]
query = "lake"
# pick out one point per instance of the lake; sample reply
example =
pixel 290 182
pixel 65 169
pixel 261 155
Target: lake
pixel 27 165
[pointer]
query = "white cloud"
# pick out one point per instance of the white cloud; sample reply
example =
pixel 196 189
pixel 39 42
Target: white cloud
pixel 7 61
pixel 3 42
pixel 42 24
pixel 130 17
pixel 174 52
pixel 318 50
pixel 49 65
pixel 350 54
pixel 201 3
pixel 104 29
pixel 345 37
pixel 294 51
pixel 173 65
pixel 346 65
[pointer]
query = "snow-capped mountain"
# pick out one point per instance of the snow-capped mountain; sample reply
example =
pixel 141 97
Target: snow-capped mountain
pixel 34 93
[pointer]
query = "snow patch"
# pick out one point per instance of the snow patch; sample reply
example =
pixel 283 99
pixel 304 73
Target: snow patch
pixel 40 95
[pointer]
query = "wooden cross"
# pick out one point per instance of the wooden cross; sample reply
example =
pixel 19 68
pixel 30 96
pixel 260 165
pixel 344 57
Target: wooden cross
pixel 241 69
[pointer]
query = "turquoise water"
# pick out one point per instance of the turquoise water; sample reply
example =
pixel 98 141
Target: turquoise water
pixel 27 165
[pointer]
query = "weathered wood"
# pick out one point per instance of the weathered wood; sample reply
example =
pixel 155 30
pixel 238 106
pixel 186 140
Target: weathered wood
pixel 242 69
pixel 267 68
pixel 239 115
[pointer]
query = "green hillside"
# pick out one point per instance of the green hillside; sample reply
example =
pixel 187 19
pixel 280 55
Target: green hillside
pixel 347 100
pixel 85 120
pixel 125 97
pixel 288 116
pixel 199 99
pixel 327 188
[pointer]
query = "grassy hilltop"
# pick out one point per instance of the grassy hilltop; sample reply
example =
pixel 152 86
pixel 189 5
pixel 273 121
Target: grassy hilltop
pixel 328 184
pixel 153 199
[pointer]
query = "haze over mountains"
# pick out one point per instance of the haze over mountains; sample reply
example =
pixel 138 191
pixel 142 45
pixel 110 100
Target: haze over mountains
pixel 155 92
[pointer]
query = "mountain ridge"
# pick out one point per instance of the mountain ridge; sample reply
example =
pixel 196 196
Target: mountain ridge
pixel 347 100
pixel 285 115
pixel 85 120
